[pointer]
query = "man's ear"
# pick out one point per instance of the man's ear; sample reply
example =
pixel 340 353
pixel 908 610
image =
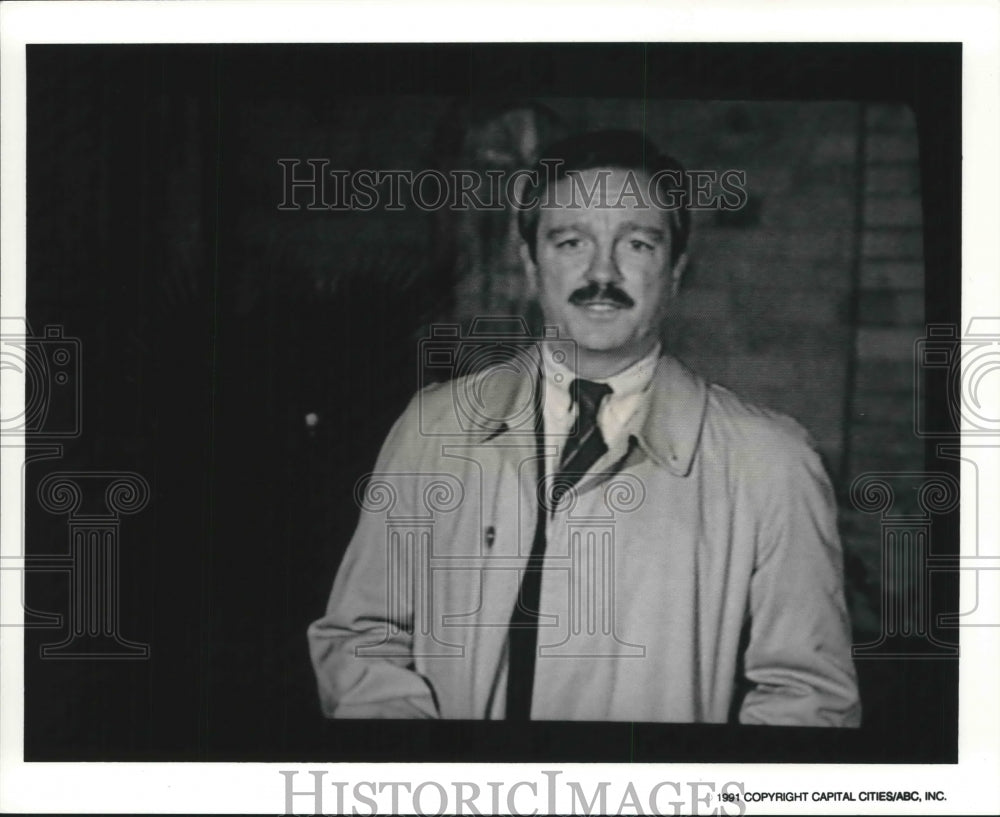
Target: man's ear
pixel 530 270
pixel 677 274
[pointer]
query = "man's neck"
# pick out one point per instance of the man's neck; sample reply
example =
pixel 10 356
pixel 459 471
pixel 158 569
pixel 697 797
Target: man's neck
pixel 604 365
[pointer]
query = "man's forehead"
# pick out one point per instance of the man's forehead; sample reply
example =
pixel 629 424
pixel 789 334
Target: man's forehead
pixel 607 194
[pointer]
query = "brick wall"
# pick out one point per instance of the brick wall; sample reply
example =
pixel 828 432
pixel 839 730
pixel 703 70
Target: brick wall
pixel 808 300
pixel 764 307
pixel 890 298
pixel 890 318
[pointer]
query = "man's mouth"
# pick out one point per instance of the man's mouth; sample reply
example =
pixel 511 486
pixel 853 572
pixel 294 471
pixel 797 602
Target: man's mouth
pixel 602 307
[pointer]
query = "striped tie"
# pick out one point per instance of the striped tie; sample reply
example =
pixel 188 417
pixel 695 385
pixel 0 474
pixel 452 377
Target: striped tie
pixel 580 453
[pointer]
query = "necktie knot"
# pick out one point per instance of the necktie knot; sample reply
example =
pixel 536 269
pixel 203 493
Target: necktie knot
pixel 585 447
pixel 588 395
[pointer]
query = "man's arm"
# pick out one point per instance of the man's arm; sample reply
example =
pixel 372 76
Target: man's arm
pixel 362 648
pixel 799 654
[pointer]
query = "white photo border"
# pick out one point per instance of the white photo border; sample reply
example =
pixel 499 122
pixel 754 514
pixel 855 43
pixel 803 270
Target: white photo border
pixel 259 788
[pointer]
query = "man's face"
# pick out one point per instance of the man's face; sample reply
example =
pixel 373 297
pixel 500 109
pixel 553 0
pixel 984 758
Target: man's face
pixel 603 273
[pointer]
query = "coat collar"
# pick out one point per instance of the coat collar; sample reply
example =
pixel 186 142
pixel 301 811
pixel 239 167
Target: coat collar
pixel 669 433
pixel 672 426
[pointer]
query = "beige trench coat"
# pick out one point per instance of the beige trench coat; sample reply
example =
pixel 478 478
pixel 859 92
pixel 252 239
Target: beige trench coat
pixel 695 576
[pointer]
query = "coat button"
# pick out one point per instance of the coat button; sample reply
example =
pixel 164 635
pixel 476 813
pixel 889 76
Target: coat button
pixel 491 536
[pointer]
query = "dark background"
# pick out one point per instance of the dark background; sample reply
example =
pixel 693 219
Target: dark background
pixel 210 324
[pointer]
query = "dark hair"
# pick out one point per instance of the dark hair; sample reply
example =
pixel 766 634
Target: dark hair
pixel 622 149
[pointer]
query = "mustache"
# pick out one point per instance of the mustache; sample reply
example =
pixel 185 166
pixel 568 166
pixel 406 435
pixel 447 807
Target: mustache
pixel 595 292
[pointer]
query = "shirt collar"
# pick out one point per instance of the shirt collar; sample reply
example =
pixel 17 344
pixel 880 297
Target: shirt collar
pixel 630 381
pixel 669 431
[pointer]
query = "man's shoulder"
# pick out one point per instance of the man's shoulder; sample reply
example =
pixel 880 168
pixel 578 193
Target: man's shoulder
pixel 767 451
pixel 692 403
pixel 433 400
pixel 476 403
pixel 753 429
pixel 431 408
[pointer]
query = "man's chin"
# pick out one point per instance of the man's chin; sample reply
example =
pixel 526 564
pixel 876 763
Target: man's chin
pixel 603 346
pixel 601 336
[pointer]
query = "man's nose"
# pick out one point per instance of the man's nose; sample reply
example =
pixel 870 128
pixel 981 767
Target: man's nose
pixel 604 267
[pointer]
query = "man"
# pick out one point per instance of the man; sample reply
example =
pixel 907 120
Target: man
pixel 608 537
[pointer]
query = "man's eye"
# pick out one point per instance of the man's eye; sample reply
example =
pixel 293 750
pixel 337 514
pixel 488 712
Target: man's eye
pixel 640 246
pixel 569 244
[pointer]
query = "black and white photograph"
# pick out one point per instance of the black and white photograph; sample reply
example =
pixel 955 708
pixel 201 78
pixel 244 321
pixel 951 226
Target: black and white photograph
pixel 498 403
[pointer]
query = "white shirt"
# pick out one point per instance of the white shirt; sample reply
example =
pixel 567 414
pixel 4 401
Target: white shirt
pixel 629 387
